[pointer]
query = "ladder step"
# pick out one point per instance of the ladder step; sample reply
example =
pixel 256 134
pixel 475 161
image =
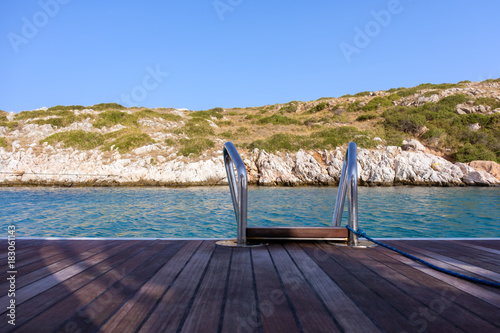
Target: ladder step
pixel 298 233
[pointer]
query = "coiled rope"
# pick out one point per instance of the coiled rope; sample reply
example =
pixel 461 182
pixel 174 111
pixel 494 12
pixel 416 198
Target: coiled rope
pixel 361 233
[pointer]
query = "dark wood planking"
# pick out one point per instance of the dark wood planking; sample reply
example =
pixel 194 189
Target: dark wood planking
pixel 429 293
pixel 372 304
pixel 172 307
pixel 489 243
pixel 468 255
pixel 447 262
pixel 311 313
pixel 56 273
pixel 51 318
pixel 487 294
pixel 405 303
pixel 131 314
pixel 345 311
pixel 275 312
pixel 208 301
pixel 322 269
pixel 297 232
pixel 448 294
pixel 22 246
pixel 240 310
pixel 136 272
pixel 48 298
pixel 41 267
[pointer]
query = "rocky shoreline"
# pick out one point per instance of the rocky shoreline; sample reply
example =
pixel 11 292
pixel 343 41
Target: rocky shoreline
pixel 384 166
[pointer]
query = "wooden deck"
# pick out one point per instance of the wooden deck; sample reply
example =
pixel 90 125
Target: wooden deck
pixel 196 286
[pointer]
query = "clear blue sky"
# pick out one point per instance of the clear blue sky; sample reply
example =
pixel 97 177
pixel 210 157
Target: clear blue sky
pixel 242 53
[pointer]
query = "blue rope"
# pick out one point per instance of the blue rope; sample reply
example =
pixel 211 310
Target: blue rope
pixel 361 233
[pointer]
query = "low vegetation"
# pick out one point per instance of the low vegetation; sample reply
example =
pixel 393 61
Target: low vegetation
pixel 3 142
pixel 326 123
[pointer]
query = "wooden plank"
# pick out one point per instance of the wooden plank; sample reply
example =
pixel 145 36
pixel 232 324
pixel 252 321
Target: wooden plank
pixel 402 302
pixel 41 265
pixel 171 309
pixel 374 305
pixel 205 311
pixel 131 314
pixel 121 284
pixel 489 295
pixel 450 263
pixel 454 300
pixel 240 308
pixel 310 312
pixel 437 312
pixel 297 233
pixel 346 312
pixel 275 312
pixel 22 246
pixel 71 267
pixel 470 255
pixel 49 297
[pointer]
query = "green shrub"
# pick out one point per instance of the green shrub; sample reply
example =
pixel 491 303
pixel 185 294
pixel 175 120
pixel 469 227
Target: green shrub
pixel 404 92
pixel 252 116
pixel 361 94
pixel 469 153
pixel 147 113
pixel 320 107
pixel 492 102
pixel 107 106
pixel 113 117
pixel 453 100
pixel 377 102
pixel 430 93
pixel 129 141
pixel 243 130
pixel 66 108
pixel 12 125
pixel 282 142
pixel 215 112
pixel 227 135
pixel 433 133
pixel 195 146
pixel 222 123
pixel 3 142
pixel 169 142
pixel 393 97
pixel 402 119
pixel 353 107
pixel 76 139
pixel 57 122
pixel 276 119
pixel 335 137
pixel 289 108
pixel 196 127
pixel 365 117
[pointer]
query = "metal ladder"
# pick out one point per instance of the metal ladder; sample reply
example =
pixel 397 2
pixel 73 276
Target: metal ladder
pixel 238 184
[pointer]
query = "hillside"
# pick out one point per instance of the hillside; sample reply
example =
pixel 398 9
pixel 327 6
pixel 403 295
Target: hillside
pixel 460 122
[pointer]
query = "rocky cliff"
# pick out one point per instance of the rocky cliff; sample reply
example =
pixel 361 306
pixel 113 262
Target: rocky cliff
pixel 384 166
pixel 431 134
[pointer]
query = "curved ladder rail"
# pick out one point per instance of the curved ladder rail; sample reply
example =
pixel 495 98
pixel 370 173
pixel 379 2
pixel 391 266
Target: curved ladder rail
pixel 239 189
pixel 348 186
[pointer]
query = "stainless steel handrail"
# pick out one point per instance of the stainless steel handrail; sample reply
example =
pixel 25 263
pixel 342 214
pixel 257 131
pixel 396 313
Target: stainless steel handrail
pixel 348 185
pixel 239 189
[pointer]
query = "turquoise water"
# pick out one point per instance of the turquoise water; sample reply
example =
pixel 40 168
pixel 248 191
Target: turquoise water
pixel 207 211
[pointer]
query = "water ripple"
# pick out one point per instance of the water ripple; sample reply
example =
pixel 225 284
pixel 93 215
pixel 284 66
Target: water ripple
pixel 207 211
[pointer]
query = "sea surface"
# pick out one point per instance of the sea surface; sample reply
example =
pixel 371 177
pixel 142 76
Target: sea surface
pixel 207 212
